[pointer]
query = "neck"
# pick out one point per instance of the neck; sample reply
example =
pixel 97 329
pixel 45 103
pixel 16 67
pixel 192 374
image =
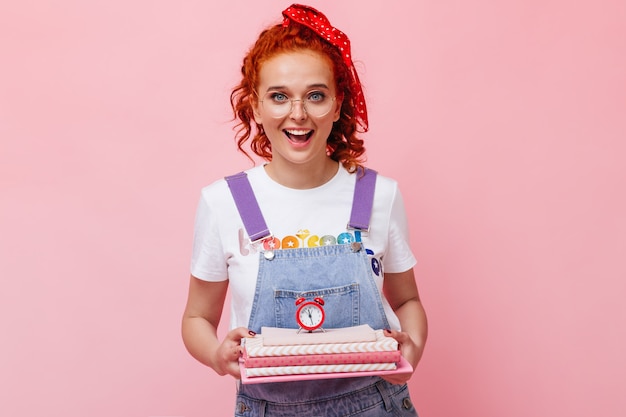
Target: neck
pixel 302 177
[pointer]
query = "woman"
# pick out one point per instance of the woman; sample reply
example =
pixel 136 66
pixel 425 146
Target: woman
pixel 281 227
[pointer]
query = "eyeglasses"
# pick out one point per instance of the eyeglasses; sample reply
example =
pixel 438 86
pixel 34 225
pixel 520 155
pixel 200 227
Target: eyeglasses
pixel 315 104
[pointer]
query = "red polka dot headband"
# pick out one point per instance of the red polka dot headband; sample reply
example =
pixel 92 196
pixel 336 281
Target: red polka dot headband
pixel 316 21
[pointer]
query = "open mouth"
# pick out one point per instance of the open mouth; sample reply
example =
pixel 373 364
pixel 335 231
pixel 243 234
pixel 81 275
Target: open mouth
pixel 298 136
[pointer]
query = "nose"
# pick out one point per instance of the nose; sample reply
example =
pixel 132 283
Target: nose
pixel 298 112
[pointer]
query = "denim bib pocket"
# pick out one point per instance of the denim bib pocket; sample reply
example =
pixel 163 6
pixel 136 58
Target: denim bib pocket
pixel 341 305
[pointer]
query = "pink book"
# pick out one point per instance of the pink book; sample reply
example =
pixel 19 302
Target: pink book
pixel 322 359
pixel 275 336
pixel 401 368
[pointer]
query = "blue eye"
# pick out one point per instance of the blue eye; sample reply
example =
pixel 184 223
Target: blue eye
pixel 279 97
pixel 316 97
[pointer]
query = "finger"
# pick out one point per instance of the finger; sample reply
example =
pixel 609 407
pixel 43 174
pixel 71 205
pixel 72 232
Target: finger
pixel 401 337
pixel 239 333
pixel 234 369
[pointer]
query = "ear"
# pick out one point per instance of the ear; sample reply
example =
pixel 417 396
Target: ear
pixel 338 104
pixel 257 115
pixel 256 110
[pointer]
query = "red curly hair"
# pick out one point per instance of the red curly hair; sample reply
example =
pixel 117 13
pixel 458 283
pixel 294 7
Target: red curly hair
pixel 342 145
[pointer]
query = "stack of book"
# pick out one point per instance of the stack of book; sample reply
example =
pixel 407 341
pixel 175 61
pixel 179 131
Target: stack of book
pixel 350 351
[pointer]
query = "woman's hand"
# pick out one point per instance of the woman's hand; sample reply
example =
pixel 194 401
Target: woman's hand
pixel 226 357
pixel 409 350
pixel 401 291
pixel 199 328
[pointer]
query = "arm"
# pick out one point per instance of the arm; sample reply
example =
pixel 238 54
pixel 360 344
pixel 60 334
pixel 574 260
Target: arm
pixel 199 328
pixel 401 291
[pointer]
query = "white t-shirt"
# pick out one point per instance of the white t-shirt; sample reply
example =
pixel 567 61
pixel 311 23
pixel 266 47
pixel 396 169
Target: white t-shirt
pixel 297 218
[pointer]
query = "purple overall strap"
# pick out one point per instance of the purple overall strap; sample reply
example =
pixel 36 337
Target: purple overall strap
pixel 247 206
pixel 363 200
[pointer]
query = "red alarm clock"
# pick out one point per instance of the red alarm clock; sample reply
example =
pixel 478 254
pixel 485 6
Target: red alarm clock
pixel 310 314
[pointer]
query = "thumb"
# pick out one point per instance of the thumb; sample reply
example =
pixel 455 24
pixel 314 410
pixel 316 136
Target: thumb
pixel 401 337
pixel 239 333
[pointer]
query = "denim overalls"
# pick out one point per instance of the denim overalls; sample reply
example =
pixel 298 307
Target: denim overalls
pixel 341 275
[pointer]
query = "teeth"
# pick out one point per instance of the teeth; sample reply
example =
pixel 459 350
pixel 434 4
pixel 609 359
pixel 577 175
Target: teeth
pixel 297 132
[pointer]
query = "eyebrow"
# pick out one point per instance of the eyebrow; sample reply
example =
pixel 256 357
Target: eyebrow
pixel 284 87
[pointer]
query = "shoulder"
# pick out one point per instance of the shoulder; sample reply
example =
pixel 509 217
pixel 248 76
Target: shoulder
pixel 219 188
pixel 386 182
pixel 385 186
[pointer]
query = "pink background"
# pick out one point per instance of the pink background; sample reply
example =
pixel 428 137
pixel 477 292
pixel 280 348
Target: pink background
pixel 503 120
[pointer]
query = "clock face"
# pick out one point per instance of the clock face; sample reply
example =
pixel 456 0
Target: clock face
pixel 310 315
